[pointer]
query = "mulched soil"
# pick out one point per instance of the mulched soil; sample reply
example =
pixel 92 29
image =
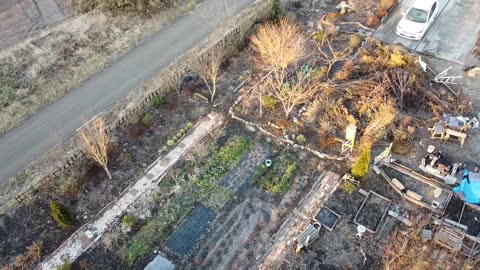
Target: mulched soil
pixel 372 212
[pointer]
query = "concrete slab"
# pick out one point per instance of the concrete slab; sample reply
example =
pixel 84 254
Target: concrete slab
pixel 160 263
pixel 455 29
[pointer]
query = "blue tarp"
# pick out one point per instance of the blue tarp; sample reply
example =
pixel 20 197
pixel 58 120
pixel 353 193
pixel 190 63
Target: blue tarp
pixel 470 189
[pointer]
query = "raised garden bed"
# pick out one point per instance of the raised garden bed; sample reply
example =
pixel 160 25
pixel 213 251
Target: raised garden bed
pixel 372 211
pixel 327 218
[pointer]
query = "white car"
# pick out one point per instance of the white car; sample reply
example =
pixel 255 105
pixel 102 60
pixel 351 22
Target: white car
pixel 417 19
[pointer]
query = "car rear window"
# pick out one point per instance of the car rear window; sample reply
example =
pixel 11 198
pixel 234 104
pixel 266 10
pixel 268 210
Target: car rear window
pixel 417 15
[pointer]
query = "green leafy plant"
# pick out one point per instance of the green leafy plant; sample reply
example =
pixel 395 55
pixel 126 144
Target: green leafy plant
pixel 129 220
pixel 158 228
pixel 189 125
pixel 60 214
pixel 138 249
pixel 300 139
pixel 220 163
pixel 170 142
pixel 276 12
pixel 277 178
pixel 65 266
pixel 147 120
pixel 269 103
pixel 360 168
pixel 158 102
pixel 348 188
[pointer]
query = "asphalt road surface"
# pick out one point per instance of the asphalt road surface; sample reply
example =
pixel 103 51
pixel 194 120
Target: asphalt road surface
pixel 454 30
pixel 59 120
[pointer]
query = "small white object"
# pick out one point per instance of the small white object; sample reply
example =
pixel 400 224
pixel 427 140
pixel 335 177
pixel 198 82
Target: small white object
pixel 437 192
pixel 422 64
pixel 361 230
pixel 430 149
pixel 268 162
pixel 89 234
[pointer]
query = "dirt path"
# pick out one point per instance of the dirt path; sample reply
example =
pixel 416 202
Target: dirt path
pixel 21 18
pixel 79 242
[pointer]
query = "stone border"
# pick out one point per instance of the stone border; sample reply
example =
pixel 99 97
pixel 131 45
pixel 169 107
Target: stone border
pixel 298 219
pixel 88 234
pixel 264 131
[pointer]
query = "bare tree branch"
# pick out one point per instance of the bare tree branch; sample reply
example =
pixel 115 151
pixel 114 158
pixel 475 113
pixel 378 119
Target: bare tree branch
pixel 208 69
pixel 95 139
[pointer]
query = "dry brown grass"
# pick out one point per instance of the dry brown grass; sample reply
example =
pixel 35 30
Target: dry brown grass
pixel 35 251
pixel 345 72
pixel 43 68
pixel 95 139
pixel 409 251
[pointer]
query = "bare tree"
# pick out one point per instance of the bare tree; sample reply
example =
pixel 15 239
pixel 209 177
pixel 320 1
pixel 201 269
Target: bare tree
pixel 401 81
pixel 277 46
pixel 208 68
pixel 330 56
pixel 95 139
pixel 298 91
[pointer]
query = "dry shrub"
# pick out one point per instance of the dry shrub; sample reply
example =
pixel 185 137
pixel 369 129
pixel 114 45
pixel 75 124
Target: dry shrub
pixel 297 91
pixel 396 59
pixel 355 41
pixel 385 116
pixel 278 45
pixel 83 264
pixel 35 251
pixel 327 142
pixel 333 114
pixel 387 4
pixel 330 56
pixel 380 13
pixel 21 262
pixel 372 19
pixel 345 72
pixel 311 113
pixel 409 251
pixel 95 139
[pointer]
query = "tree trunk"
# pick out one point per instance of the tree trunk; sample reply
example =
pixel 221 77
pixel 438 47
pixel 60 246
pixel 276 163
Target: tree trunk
pixel 108 172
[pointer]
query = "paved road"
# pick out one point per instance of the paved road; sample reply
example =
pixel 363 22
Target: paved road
pixel 59 120
pixel 455 29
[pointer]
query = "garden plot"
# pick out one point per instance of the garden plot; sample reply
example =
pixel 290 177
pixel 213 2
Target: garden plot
pixel 188 233
pixel 426 191
pixel 327 218
pixel 372 211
